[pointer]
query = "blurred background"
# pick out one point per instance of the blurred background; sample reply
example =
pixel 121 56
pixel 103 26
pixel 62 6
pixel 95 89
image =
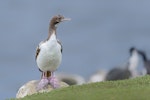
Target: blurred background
pixel 98 36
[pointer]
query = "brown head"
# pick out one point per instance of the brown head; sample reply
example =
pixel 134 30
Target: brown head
pixel 56 20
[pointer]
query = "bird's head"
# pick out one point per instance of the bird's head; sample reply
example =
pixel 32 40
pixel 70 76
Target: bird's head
pixel 133 50
pixel 57 19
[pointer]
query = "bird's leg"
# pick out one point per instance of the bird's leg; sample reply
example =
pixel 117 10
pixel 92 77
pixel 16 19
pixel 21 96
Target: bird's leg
pixel 53 81
pixel 43 82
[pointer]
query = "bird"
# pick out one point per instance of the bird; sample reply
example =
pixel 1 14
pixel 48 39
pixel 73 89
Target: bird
pixel 126 71
pixel 146 61
pixel 49 54
pixel 99 76
pixel 70 79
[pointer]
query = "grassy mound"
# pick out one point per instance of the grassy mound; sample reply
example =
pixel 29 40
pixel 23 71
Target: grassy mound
pixel 131 89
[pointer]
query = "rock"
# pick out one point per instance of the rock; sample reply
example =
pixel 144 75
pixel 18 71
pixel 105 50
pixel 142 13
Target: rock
pixel 30 88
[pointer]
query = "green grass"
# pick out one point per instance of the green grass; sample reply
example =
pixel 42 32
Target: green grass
pixel 132 89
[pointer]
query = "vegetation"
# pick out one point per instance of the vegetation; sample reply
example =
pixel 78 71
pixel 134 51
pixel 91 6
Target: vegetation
pixel 131 89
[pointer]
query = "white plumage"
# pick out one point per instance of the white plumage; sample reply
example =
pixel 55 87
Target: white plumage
pixel 50 55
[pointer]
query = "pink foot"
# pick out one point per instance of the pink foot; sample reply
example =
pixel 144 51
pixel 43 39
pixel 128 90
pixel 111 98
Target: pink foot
pixel 43 82
pixel 54 82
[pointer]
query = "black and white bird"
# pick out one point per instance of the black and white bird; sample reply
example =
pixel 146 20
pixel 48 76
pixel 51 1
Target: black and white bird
pixel 49 54
pixel 126 71
pixel 146 61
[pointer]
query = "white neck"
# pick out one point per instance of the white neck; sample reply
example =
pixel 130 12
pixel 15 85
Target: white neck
pixel 133 61
pixel 53 37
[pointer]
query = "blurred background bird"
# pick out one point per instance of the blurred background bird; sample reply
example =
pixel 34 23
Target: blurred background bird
pixel 129 70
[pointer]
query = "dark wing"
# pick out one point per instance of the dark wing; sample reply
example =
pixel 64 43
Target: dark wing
pixel 147 66
pixel 38 50
pixel 118 74
pixel 60 45
pixel 37 53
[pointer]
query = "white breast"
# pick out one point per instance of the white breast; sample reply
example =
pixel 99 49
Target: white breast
pixel 133 61
pixel 50 55
pixel 133 64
